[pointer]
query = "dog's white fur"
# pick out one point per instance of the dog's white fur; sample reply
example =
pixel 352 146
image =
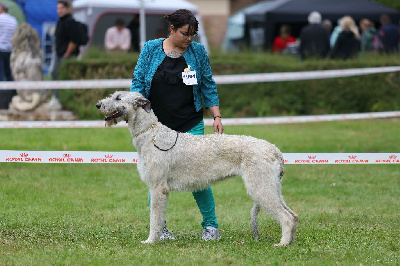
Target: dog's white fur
pixel 195 162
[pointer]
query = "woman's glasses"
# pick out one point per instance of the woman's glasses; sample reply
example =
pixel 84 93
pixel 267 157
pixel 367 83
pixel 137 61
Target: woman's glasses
pixel 187 35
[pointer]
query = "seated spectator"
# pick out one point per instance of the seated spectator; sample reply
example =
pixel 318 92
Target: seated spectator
pixel 281 42
pixel 368 32
pixel 118 38
pixel 314 39
pixel 389 34
pixel 348 42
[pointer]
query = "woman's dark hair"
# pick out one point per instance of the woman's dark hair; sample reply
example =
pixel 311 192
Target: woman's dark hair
pixel 64 3
pixel 182 17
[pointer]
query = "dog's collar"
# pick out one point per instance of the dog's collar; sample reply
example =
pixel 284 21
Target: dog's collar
pixel 143 131
pixel 155 145
pixel 154 138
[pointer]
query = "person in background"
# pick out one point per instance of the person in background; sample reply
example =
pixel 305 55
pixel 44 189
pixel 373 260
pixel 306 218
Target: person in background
pixel 177 101
pixel 314 39
pixel 66 39
pixel 134 27
pixel 368 33
pixel 8 24
pixel 281 42
pixel 389 34
pixel 335 33
pixel 348 42
pixel 327 24
pixel 118 38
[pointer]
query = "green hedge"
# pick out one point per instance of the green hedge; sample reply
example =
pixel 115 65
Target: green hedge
pixel 376 92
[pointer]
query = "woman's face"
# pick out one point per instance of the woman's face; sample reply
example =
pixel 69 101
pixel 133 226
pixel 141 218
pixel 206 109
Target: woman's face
pixel 181 37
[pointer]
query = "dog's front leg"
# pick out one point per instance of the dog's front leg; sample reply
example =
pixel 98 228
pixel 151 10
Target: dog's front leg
pixel 158 206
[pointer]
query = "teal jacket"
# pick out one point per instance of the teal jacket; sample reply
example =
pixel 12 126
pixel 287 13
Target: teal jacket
pixel 196 56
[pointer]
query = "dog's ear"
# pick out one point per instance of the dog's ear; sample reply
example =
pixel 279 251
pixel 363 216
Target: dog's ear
pixel 144 103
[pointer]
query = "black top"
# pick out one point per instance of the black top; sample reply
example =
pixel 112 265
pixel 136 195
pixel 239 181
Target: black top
pixel 171 100
pixel 390 37
pixel 346 45
pixel 314 41
pixel 65 32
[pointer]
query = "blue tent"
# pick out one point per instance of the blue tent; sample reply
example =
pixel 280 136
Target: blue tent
pixel 42 16
pixel 38 12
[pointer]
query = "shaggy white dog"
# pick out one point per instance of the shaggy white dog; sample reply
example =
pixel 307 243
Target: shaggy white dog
pixel 169 160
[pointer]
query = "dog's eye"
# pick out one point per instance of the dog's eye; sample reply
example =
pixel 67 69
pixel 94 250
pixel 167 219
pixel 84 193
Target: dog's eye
pixel 118 98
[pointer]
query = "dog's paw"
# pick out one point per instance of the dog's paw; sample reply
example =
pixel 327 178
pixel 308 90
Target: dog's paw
pixel 148 241
pixel 281 245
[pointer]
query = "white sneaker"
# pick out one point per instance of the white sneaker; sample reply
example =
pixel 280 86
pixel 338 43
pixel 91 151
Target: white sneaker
pixel 166 235
pixel 211 233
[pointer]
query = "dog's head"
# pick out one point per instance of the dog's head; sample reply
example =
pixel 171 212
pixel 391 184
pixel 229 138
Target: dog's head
pixel 121 106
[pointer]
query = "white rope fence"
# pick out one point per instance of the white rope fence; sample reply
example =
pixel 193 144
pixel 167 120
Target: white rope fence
pixel 209 122
pixel 219 79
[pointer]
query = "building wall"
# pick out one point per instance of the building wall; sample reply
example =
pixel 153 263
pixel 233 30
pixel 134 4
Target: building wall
pixel 214 14
pixel 236 5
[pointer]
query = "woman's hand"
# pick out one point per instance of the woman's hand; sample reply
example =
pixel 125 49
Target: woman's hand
pixel 216 114
pixel 218 127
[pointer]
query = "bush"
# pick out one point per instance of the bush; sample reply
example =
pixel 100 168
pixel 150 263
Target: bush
pixel 369 93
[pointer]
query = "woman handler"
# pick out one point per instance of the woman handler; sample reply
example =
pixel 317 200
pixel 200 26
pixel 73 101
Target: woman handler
pixel 175 75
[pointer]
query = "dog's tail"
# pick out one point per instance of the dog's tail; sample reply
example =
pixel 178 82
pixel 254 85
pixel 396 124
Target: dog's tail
pixel 254 212
pixel 281 163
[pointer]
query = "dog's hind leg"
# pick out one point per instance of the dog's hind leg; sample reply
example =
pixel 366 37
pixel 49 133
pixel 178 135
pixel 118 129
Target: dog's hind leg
pixel 273 205
pixel 158 207
pixel 294 217
pixel 254 212
pixel 268 196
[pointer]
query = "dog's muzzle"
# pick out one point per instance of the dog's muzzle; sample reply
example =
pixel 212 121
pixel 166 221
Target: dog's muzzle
pixel 113 115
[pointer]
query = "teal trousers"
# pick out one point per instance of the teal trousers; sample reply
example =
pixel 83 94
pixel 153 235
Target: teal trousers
pixel 204 198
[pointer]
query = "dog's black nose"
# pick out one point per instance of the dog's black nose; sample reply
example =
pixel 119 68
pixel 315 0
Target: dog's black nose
pixel 98 105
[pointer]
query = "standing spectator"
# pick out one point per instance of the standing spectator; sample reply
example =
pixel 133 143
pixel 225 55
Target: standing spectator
pixel 66 37
pixel 348 42
pixel 281 42
pixel 314 39
pixel 8 24
pixel 389 34
pixel 133 26
pixel 368 32
pixel 118 38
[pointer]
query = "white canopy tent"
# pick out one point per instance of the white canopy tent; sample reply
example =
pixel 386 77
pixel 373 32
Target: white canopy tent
pixel 99 15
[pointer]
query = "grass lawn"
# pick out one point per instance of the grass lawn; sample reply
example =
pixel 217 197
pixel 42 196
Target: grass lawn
pixel 97 214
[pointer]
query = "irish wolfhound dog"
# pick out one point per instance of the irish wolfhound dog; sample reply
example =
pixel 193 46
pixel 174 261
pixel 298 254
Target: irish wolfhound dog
pixel 169 160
